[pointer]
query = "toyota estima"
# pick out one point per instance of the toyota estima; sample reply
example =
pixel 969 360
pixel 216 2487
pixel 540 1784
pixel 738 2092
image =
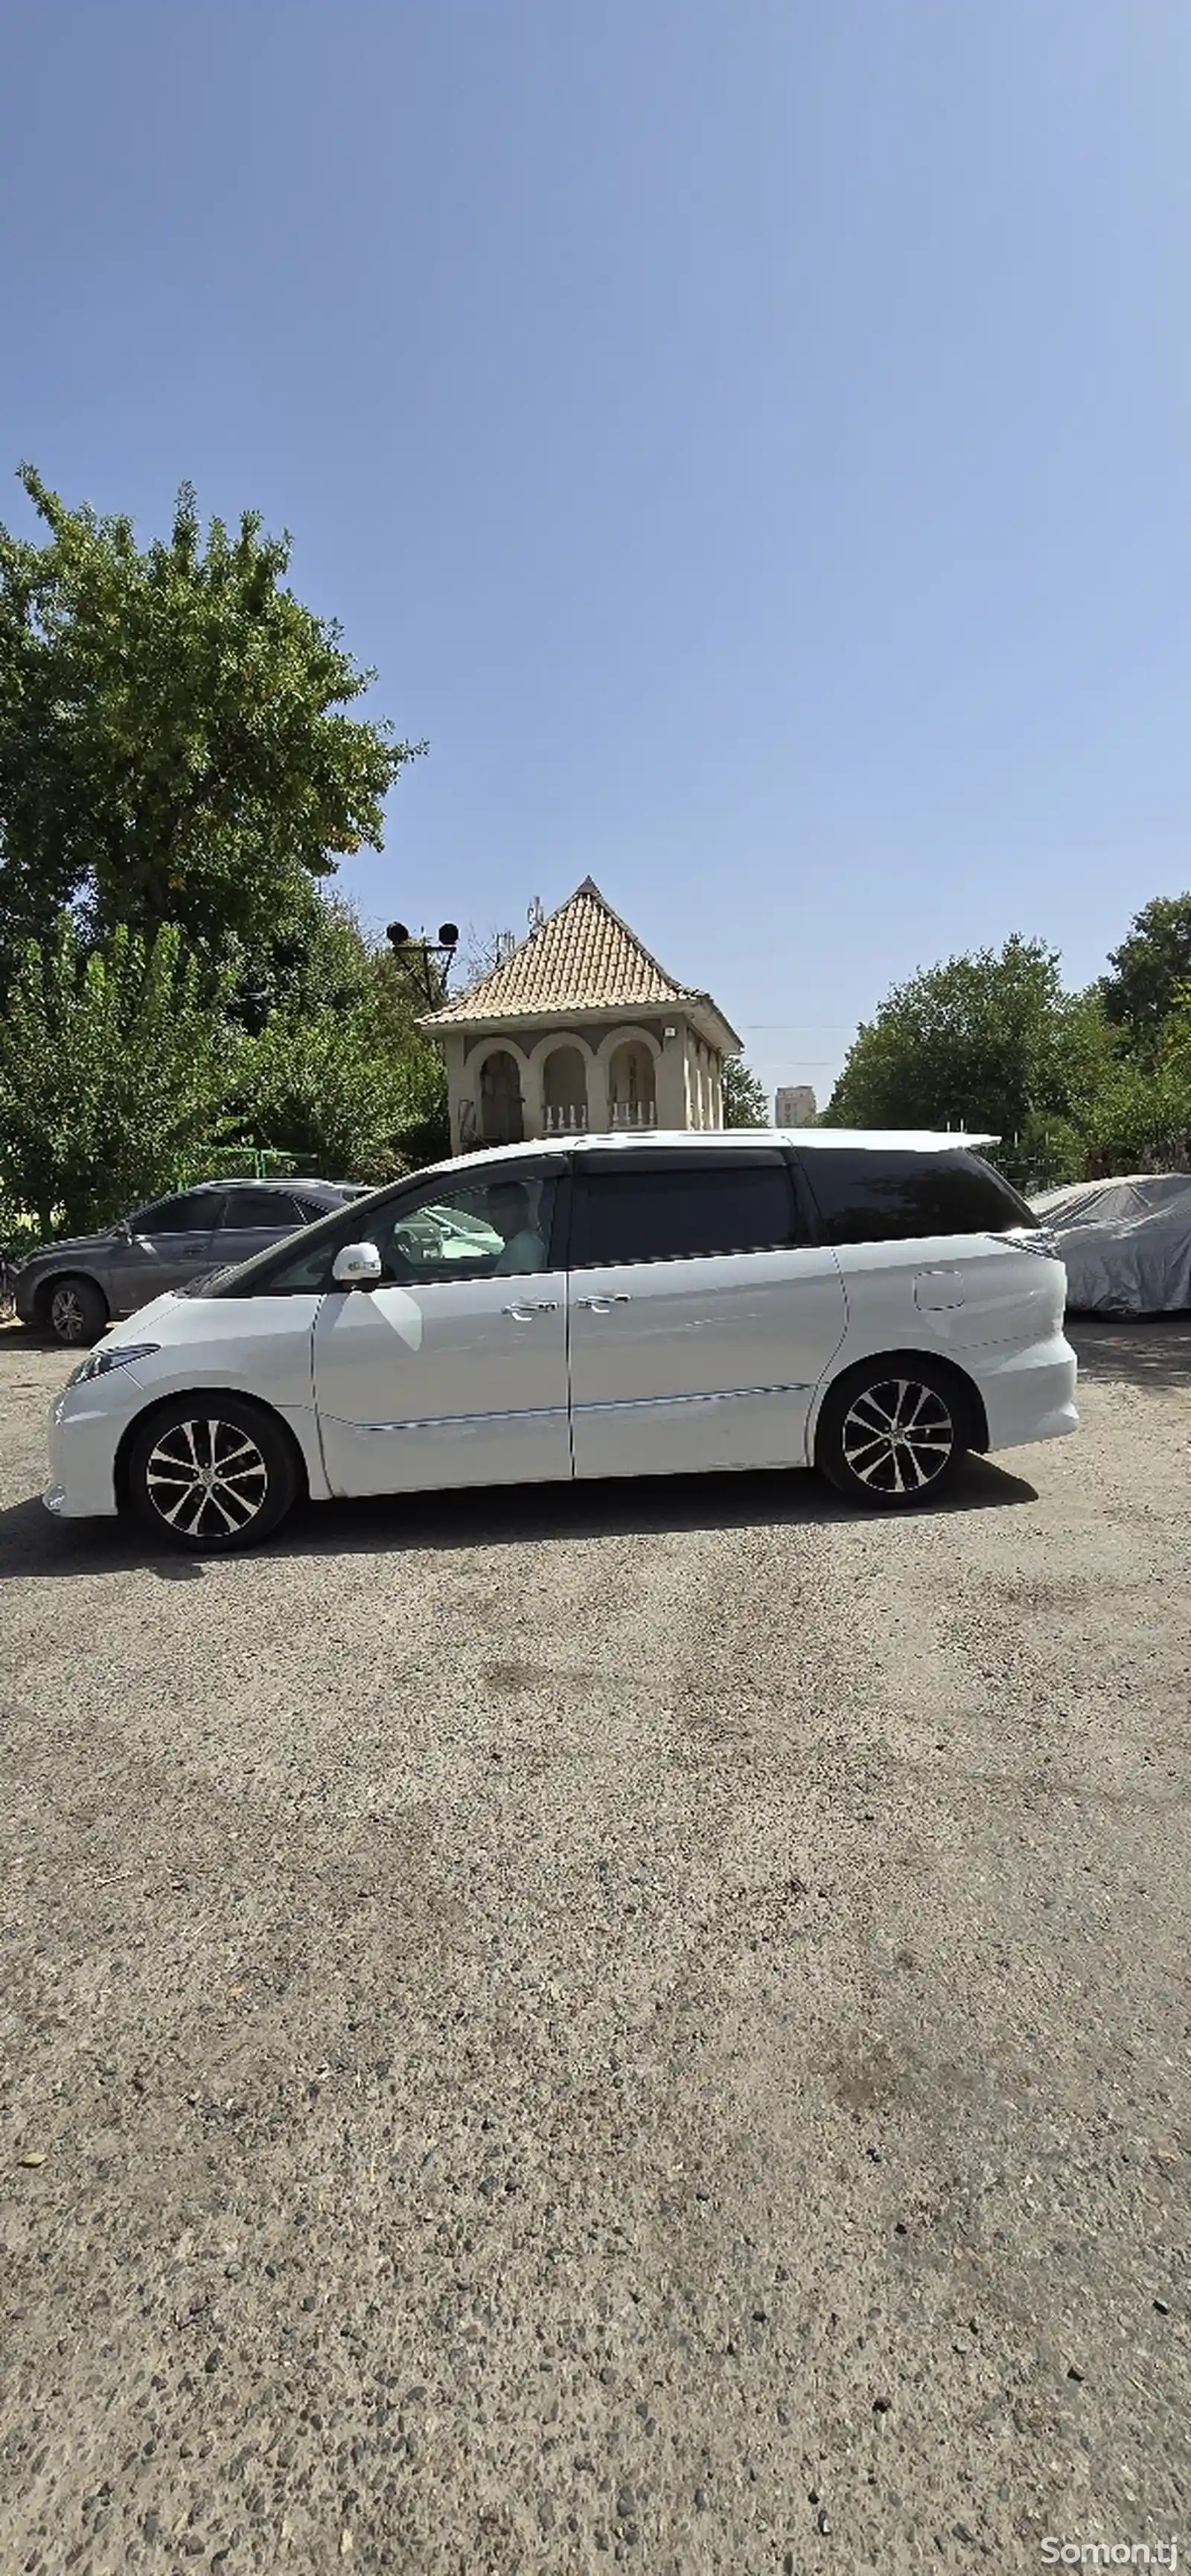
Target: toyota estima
pixel 870 1305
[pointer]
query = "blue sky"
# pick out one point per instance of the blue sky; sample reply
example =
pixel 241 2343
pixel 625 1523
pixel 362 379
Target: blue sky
pixel 752 438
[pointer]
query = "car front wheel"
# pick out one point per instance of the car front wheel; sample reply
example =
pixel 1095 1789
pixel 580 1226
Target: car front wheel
pixel 892 1435
pixel 212 1474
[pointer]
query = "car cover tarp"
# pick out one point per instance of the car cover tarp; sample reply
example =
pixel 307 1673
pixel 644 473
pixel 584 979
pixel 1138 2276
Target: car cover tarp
pixel 1126 1243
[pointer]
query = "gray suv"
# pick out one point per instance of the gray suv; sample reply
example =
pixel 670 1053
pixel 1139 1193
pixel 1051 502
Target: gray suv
pixel 74 1290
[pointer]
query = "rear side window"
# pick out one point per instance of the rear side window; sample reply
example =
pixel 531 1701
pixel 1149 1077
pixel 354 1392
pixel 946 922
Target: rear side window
pixel 682 1210
pixel 884 1196
pixel 259 1211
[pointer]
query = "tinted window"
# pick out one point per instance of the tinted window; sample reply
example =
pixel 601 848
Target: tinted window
pixel 193 1214
pixel 493 1227
pixel 261 1209
pixel 884 1196
pixel 499 1227
pixel 679 1211
pixel 277 1270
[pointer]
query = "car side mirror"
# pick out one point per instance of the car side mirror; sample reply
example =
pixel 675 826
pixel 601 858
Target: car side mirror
pixel 356 1265
pixel 123 1229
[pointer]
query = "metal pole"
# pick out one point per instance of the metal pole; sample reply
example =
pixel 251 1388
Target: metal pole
pixel 405 948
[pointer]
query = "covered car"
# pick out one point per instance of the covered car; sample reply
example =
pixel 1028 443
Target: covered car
pixel 1126 1243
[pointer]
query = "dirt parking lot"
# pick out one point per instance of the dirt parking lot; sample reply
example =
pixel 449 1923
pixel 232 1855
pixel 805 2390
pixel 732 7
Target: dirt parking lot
pixel 646 2025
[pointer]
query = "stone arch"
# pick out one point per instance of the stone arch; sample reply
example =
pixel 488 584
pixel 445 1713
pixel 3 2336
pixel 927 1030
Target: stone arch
pixel 559 1037
pixel 628 1030
pixel 565 1103
pixel 631 1058
pixel 500 1094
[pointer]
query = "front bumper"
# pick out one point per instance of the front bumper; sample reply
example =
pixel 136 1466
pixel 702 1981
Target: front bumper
pixel 83 1441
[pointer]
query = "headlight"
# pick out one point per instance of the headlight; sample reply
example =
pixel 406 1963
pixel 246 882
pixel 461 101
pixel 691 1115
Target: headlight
pixel 103 1361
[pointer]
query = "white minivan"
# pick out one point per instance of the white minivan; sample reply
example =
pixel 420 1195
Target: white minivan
pixel 873 1305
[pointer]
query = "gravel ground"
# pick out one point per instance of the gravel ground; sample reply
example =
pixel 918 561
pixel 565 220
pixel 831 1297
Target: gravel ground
pixel 646 2025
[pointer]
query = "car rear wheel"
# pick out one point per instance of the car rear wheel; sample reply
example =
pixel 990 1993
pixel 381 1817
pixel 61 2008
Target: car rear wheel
pixel 212 1473
pixel 76 1311
pixel 893 1435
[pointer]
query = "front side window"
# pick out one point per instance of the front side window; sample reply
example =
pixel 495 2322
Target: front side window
pixel 881 1195
pixel 484 1228
pixel 496 1226
pixel 682 1210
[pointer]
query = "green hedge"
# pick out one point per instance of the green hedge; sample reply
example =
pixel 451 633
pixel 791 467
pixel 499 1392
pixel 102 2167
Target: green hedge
pixel 22 1236
pixel 234 1163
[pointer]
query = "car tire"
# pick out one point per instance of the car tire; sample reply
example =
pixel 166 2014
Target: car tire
pixel 212 1473
pixel 75 1311
pixel 893 1434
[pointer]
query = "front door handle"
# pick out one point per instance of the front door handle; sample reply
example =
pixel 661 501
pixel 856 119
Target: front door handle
pixel 604 1305
pixel 523 1314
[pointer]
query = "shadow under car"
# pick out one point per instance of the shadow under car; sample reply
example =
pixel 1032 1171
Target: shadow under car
pixel 32 1544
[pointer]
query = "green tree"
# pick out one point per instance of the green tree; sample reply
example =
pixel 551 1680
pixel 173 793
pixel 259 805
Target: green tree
pixel 112 1065
pixel 320 1086
pixel 425 1132
pixel 989 1042
pixel 1148 970
pixel 1176 1036
pixel 316 957
pixel 746 1102
pixel 1140 1115
pixel 339 1073
pixel 175 741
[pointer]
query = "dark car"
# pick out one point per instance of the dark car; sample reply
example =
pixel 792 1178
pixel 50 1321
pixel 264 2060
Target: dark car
pixel 73 1290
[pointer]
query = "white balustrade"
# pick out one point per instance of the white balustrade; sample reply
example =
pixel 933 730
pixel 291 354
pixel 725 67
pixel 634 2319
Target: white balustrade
pixel 570 1119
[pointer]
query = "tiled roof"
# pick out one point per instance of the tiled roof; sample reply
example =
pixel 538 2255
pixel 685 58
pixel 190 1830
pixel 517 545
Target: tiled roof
pixel 583 958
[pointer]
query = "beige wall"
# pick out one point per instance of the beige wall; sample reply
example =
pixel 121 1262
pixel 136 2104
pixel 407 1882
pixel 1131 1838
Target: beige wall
pixel 686 1073
pixel 672 1076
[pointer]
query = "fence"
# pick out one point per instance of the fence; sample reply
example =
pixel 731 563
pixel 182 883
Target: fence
pixel 234 1163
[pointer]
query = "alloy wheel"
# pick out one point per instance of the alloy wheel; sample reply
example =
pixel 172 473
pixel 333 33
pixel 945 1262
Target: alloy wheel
pixel 207 1478
pixel 898 1436
pixel 66 1315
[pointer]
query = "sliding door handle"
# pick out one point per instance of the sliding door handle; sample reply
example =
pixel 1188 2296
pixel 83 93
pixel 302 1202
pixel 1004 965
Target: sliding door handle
pixel 523 1314
pixel 603 1305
